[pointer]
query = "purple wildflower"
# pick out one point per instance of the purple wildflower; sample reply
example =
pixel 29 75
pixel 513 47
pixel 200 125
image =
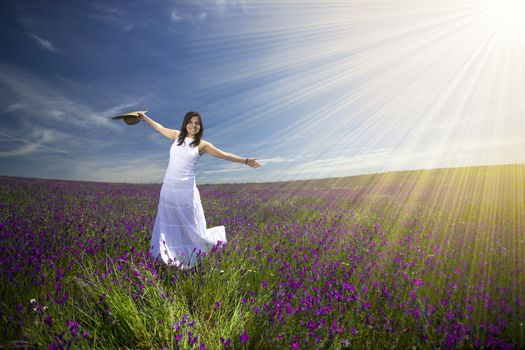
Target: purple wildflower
pixel 244 337
pixel 73 328
pixel 226 342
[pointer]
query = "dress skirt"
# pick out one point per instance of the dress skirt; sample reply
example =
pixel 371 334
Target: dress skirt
pixel 179 233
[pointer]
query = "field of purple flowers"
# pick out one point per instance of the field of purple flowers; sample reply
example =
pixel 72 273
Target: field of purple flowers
pixel 421 259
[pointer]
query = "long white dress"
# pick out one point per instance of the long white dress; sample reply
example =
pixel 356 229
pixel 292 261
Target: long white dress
pixel 179 232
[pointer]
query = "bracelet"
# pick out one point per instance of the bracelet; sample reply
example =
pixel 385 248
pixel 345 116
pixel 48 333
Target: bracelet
pixel 246 161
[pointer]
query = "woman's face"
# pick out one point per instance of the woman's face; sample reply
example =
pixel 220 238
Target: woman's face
pixel 193 127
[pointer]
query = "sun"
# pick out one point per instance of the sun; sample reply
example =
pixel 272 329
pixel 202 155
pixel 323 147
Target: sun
pixel 505 12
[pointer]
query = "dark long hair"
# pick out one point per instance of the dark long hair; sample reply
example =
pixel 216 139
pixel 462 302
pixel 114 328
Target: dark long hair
pixel 184 133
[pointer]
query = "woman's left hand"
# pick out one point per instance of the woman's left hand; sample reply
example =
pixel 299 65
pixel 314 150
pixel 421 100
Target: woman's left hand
pixel 253 163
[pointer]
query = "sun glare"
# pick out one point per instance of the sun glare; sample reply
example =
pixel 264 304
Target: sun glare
pixel 506 12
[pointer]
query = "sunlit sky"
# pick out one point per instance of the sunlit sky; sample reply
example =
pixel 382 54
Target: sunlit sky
pixel 313 89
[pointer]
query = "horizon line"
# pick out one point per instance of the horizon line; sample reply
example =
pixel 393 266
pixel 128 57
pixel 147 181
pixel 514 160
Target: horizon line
pixel 279 181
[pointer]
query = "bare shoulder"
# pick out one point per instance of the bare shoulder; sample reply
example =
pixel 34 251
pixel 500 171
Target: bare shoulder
pixel 203 146
pixel 174 134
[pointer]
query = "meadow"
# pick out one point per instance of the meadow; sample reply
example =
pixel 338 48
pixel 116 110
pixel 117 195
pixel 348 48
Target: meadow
pixel 404 260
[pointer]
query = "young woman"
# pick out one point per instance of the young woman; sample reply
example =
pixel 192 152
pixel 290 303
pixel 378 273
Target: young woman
pixel 180 230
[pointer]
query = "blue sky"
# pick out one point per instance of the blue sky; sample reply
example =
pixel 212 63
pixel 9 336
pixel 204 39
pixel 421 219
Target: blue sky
pixel 313 89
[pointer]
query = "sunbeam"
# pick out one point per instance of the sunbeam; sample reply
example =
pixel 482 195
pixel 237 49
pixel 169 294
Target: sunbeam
pixel 437 83
pixel 342 87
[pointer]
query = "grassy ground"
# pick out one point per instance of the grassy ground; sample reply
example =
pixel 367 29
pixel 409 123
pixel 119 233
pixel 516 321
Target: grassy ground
pixel 424 259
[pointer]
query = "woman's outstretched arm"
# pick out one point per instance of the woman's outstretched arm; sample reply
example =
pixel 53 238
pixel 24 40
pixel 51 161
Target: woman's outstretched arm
pixel 214 151
pixel 169 133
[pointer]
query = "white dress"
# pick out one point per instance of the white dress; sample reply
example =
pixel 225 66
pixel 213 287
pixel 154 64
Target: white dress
pixel 180 230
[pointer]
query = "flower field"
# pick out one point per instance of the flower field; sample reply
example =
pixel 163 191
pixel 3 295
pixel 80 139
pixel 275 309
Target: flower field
pixel 418 259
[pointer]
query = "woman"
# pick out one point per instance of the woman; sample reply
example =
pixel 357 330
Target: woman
pixel 180 230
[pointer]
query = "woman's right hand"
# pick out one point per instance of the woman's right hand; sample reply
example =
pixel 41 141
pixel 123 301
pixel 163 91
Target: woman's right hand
pixel 141 116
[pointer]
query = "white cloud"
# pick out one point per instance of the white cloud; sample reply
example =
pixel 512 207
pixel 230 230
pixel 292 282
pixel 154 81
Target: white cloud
pixel 15 107
pixel 45 135
pixel 202 16
pixel 278 160
pixel 132 170
pixel 200 10
pixel 57 114
pixel 40 137
pixel 41 99
pixel 20 151
pixel 389 159
pixel 119 18
pixel 124 107
pixel 176 16
pixel 222 4
pixel 189 14
pixel 46 44
pixel 108 15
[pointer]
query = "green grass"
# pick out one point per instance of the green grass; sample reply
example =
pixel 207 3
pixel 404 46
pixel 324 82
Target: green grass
pixel 460 231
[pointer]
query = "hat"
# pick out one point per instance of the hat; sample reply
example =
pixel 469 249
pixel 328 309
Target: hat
pixel 130 118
